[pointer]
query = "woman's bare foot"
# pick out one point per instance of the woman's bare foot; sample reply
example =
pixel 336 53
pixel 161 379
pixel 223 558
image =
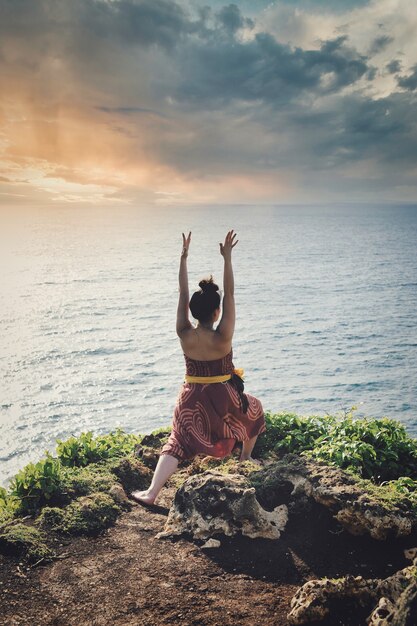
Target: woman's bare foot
pixel 143 497
pixel 251 459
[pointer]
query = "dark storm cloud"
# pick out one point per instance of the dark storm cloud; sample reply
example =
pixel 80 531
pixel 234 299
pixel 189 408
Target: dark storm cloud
pixel 250 7
pixel 207 61
pixel 264 69
pixel 409 82
pixel 232 19
pixel 150 21
pixel 394 66
pixel 143 22
pixel 385 129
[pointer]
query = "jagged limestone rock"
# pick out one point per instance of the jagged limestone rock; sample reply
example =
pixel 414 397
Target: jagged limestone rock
pixel 213 503
pixel 313 601
pixel 207 503
pixel 358 511
pixel 383 609
pixel 410 553
pixel 362 517
pixel 405 610
pixel 323 599
pixel 398 602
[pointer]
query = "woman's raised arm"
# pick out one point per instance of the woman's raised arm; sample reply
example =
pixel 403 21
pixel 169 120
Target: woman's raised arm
pixel 226 326
pixel 183 322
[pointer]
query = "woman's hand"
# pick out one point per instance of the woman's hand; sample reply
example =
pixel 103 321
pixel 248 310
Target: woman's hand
pixel 185 245
pixel 228 245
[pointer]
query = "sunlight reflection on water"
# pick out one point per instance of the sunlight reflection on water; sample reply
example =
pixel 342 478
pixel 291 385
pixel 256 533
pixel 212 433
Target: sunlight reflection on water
pixel 326 304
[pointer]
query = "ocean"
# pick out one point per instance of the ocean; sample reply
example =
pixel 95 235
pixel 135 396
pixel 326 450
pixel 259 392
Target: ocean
pixel 326 301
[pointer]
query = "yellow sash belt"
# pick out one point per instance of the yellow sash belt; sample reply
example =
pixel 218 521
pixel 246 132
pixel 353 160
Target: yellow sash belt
pixel 204 380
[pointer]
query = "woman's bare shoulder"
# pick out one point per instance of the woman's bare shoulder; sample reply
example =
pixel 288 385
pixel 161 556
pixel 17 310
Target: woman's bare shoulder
pixel 188 338
pixel 204 346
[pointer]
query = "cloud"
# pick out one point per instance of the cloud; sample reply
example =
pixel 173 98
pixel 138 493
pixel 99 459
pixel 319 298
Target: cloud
pixel 165 101
pixel 409 82
pixel 232 20
pixel 379 44
pixel 330 6
pixel 126 110
pixel 262 69
pixel 394 66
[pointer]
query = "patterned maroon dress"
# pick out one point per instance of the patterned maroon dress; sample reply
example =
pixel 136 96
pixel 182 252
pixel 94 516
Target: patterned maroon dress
pixel 209 418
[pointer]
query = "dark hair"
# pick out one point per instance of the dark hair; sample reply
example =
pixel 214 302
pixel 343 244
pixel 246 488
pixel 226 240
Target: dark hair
pixel 205 301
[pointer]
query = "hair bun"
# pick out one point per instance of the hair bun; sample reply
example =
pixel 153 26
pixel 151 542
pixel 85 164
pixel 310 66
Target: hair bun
pixel 207 285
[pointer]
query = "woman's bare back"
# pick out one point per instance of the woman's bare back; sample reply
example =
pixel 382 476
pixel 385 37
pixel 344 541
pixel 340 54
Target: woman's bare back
pixel 203 344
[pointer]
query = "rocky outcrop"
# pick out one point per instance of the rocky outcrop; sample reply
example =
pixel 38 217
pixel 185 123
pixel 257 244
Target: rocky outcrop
pixel 316 599
pixel 257 505
pixel 404 612
pixel 378 602
pixel 358 511
pixel 398 599
pixel 211 504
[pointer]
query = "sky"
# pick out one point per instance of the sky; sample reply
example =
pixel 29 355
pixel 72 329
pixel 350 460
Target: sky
pixel 157 102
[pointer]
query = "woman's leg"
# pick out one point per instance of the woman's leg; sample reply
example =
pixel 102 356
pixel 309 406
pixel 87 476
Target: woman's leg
pixel 166 466
pixel 247 447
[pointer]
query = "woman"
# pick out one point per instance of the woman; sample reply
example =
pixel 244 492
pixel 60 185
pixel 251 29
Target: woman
pixel 212 412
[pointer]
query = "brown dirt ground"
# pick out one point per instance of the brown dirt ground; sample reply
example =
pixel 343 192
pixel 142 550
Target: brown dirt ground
pixel 127 577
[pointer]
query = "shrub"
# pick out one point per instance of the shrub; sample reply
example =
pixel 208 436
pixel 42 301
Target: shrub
pixel 37 484
pixel 8 505
pixel 84 449
pixel 288 432
pixel 380 449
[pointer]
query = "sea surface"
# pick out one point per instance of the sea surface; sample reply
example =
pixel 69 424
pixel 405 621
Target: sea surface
pixel 326 314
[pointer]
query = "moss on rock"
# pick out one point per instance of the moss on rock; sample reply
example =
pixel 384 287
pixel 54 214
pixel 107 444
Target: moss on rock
pixel 132 473
pixel 18 539
pixel 86 515
pixel 393 494
pixel 81 481
pixel 156 438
